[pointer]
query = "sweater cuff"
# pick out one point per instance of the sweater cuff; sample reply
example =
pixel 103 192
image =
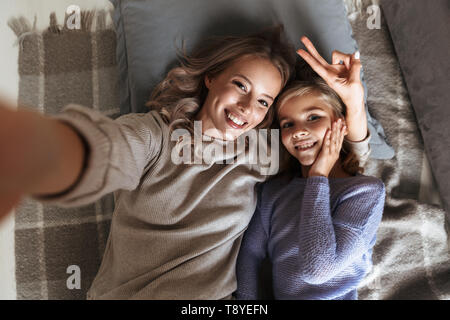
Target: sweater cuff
pixel 361 148
pixel 98 149
pixel 316 180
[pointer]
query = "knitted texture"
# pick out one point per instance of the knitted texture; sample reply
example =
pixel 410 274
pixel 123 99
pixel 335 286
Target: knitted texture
pixel 318 234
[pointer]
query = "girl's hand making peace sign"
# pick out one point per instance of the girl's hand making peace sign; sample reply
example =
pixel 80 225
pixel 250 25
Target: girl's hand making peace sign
pixel 345 80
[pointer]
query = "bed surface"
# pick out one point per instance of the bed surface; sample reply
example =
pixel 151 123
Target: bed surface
pixel 411 258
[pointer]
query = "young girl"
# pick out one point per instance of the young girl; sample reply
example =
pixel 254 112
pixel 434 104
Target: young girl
pixel 176 228
pixel 317 222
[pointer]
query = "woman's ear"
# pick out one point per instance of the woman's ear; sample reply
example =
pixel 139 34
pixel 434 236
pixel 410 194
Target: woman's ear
pixel 207 81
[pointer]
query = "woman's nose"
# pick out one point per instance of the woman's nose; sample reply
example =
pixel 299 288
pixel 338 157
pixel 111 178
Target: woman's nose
pixel 244 105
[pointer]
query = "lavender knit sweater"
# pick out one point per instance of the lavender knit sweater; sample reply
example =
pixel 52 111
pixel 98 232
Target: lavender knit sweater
pixel 318 234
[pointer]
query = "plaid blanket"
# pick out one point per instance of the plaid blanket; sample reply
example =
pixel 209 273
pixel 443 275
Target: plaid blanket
pixel 59 66
pixel 56 67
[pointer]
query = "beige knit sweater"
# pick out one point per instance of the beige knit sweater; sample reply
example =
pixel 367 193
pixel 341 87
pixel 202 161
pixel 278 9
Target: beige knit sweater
pixel 176 228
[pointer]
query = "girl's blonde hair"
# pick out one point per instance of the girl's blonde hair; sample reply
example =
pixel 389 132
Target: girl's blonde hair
pixel 182 93
pixel 316 85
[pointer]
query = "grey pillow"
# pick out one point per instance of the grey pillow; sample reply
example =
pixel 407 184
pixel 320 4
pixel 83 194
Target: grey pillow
pixel 148 32
pixel 420 31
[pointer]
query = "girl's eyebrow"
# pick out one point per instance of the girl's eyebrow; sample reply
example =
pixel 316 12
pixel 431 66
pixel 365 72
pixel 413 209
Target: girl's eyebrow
pixel 313 108
pixel 248 80
pixel 309 109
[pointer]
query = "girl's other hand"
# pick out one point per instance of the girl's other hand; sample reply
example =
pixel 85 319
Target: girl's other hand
pixel 343 78
pixel 331 148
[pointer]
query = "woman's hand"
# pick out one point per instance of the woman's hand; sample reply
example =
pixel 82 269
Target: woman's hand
pixel 345 80
pixel 331 148
pixel 38 155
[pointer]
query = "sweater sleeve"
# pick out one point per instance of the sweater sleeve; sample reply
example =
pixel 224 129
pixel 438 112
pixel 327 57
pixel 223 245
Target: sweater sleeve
pixel 251 255
pixel 361 149
pixel 330 241
pixel 117 153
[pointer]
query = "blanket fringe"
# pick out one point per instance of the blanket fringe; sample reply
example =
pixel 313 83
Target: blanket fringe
pixel 22 28
pixel 353 6
pixel 86 20
pixel 54 27
pixel 90 20
pixel 21 25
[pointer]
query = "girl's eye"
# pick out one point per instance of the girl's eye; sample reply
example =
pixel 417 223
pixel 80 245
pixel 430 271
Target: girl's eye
pixel 264 103
pixel 286 125
pixel 313 117
pixel 240 85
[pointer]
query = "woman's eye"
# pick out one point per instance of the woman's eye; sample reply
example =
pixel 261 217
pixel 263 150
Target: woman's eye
pixel 264 103
pixel 286 125
pixel 240 85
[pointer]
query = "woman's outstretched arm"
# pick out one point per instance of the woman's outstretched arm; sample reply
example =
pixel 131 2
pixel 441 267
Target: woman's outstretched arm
pixel 39 155
pixel 48 161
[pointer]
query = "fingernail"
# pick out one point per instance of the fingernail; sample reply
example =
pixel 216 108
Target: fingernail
pixel 357 55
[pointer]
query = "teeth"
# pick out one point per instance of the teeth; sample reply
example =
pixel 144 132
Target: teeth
pixel 306 146
pixel 234 119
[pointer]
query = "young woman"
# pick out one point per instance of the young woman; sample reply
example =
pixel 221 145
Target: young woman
pixel 317 222
pixel 176 229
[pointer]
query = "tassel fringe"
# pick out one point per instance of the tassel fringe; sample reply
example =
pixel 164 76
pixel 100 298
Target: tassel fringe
pixel 90 21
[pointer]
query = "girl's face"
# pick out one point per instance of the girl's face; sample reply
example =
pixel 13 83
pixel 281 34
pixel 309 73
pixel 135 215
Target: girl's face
pixel 304 121
pixel 239 98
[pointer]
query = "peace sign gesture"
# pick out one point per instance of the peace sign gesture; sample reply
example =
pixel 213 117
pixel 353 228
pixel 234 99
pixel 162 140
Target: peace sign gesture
pixel 343 78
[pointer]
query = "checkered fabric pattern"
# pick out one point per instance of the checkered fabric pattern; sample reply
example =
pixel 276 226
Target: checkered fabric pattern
pixel 56 67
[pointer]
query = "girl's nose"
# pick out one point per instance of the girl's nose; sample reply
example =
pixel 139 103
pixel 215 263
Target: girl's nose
pixel 299 134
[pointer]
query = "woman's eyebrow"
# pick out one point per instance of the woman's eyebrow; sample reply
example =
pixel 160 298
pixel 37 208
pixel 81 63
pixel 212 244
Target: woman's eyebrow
pixel 248 80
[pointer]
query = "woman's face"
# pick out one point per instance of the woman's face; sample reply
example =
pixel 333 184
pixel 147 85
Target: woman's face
pixel 239 97
pixel 304 121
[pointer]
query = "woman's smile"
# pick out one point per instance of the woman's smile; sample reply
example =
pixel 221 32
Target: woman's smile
pixel 234 121
pixel 239 97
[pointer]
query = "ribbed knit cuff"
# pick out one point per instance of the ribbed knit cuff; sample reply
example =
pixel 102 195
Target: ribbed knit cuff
pixel 92 178
pixel 315 180
pixel 361 148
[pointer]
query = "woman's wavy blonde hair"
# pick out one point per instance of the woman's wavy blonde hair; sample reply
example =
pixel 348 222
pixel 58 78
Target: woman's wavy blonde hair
pixel 180 96
pixel 311 83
